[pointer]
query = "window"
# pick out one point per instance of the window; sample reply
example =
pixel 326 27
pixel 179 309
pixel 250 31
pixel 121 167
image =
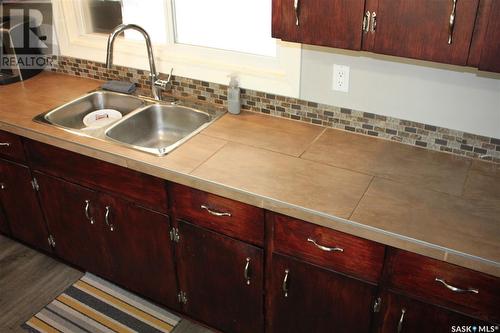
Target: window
pixel 234 25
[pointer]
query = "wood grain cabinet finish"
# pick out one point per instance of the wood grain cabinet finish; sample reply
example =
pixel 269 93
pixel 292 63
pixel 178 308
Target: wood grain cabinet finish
pixel 485 48
pixel 11 147
pixel 70 212
pixel 328 248
pixel 140 249
pixel 20 205
pixel 405 315
pixel 334 23
pixel 222 278
pixel 143 189
pixel 4 225
pixel 307 298
pixel 421 29
pixel 478 294
pixel 229 217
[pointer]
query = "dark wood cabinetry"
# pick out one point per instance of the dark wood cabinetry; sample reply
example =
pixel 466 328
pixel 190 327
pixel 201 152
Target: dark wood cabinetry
pixel 307 298
pixel 335 23
pixel 405 315
pixel 4 225
pixel 485 48
pixel 20 205
pixel 222 279
pixel 422 29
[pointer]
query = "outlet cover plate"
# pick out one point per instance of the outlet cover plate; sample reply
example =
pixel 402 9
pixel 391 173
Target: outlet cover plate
pixel 340 78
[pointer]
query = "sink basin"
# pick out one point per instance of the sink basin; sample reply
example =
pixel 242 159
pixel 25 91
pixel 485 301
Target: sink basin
pixel 71 115
pixel 158 128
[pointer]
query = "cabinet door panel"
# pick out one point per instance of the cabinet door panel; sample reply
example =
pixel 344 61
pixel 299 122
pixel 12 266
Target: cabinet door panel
pixel 335 23
pixel 490 54
pixel 317 300
pixel 414 316
pixel 70 213
pixel 420 29
pixel 140 249
pixel 4 226
pixel 20 205
pixel 212 273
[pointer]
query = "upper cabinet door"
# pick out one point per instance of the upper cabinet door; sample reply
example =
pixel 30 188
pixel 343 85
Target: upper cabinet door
pixel 334 23
pixel 434 30
pixel 490 54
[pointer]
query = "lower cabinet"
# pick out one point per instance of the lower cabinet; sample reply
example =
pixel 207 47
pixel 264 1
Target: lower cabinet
pixel 110 237
pixel 405 315
pixel 307 298
pixel 20 205
pixel 4 226
pixel 222 280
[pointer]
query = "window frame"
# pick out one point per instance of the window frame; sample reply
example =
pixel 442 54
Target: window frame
pixel 277 75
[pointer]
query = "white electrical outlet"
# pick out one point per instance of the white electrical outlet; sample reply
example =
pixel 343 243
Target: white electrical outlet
pixel 340 78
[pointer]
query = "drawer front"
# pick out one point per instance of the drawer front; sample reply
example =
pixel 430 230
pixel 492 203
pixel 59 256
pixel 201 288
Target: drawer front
pixel 11 146
pixel 425 278
pixel 145 190
pixel 328 248
pixel 229 217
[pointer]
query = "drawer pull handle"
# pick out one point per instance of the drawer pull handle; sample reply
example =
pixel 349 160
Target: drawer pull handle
pixel 213 212
pixel 455 289
pixel 401 320
pixel 246 272
pixel 325 248
pixel 4 144
pixel 3 186
pixel 87 212
pixel 107 218
pixel 296 9
pixel 451 25
pixel 285 282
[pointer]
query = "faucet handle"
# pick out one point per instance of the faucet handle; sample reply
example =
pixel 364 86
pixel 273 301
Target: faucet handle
pixel 163 84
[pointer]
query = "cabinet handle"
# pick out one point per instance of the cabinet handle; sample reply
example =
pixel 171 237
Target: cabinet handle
pixel 246 272
pixel 285 282
pixel 87 212
pixel 3 186
pixel 296 8
pixel 374 22
pixel 4 144
pixel 213 212
pixel 455 289
pixel 401 320
pixel 107 217
pixel 451 26
pixel 366 21
pixel 325 248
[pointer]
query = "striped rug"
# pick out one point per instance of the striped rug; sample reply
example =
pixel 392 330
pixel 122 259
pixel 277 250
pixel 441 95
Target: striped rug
pixel 94 305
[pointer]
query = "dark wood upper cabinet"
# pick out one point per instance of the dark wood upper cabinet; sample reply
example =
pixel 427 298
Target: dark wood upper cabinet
pixel 4 225
pixel 20 205
pixel 406 315
pixel 334 23
pixel 490 45
pixel 140 249
pixel 307 298
pixel 421 29
pixel 222 279
pixel 70 211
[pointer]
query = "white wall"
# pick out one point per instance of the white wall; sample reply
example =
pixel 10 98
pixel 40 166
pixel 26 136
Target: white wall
pixel 454 97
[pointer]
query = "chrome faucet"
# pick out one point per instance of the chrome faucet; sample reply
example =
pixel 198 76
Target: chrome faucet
pixel 157 85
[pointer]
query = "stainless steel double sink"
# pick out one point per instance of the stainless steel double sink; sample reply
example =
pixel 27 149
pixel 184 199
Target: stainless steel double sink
pixel 146 125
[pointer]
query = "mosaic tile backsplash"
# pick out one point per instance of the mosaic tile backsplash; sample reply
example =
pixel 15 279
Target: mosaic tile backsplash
pixel 404 131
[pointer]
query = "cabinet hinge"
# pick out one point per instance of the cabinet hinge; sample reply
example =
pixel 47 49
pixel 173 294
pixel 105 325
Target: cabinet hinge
pixel 182 297
pixel 174 235
pixel 52 242
pixel 377 304
pixel 34 184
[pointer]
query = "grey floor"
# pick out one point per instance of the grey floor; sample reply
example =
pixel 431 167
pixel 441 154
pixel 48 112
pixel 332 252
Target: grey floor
pixel 29 280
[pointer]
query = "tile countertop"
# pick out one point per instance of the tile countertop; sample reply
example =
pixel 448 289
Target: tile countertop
pixel 435 204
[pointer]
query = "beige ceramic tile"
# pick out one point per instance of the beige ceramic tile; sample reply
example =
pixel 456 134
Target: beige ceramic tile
pixel 391 160
pixel 285 178
pixel 463 225
pixel 280 135
pixel 483 181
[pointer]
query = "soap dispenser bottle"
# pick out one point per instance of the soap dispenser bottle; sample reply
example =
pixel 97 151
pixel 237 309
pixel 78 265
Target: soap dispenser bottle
pixel 233 96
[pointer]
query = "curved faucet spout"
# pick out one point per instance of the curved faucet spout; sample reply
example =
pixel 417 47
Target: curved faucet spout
pixel 156 84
